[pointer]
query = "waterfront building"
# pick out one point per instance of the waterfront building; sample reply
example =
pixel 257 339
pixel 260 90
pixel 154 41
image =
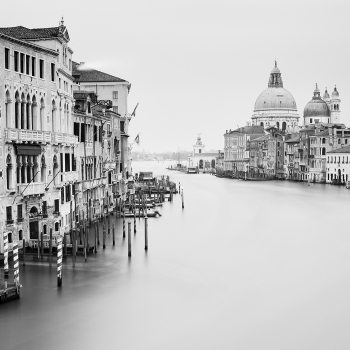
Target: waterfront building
pixel 236 155
pixel 98 155
pixel 115 90
pixel 37 153
pixel 338 165
pixel 266 155
pixel 276 106
pixel 291 159
pixel 204 161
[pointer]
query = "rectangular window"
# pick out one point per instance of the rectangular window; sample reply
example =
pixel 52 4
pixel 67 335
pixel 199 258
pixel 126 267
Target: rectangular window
pixel 59 83
pixel 57 205
pixel 16 59
pixel 82 134
pixel 9 214
pixel 67 162
pixel 61 162
pixel 67 193
pixel 70 64
pixel 22 62
pixel 33 66
pixel 95 132
pixel 41 69
pixel 27 64
pixel 7 58
pixel 19 213
pixel 52 72
pixel 76 129
pixel 115 95
pixel 115 109
pixel 62 195
pixel 122 126
pixel 44 209
pixel 73 163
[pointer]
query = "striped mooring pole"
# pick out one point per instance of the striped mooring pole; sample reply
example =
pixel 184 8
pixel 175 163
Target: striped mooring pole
pixel 123 221
pixel 15 264
pixel 59 261
pixel 129 238
pixel 6 255
pixel 134 217
pixel 113 230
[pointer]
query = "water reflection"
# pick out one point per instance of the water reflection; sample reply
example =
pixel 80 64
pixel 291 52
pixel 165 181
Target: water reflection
pixel 245 265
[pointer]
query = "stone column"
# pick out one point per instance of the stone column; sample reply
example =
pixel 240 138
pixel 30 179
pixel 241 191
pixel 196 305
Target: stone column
pixel 19 111
pixel 24 105
pixel 29 116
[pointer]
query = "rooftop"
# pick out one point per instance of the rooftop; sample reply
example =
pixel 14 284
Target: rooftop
pixel 82 74
pixel 345 149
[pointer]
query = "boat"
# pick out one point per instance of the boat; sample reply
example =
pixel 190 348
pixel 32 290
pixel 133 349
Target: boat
pixel 192 170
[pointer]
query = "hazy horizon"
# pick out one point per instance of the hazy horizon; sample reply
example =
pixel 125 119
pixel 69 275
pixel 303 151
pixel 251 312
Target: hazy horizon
pixel 198 66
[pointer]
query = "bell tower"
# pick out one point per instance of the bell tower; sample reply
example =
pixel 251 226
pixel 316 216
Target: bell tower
pixel 198 147
pixel 335 107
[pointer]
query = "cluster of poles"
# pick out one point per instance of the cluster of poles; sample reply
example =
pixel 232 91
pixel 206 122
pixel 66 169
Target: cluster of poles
pixel 137 205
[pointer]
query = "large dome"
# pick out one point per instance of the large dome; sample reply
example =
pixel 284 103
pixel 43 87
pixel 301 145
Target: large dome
pixel 275 98
pixel 316 107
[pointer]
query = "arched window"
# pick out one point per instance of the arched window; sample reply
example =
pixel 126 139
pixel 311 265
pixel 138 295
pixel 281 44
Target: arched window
pixel 57 226
pixel 284 126
pixel 17 110
pixel 28 114
pixel 53 115
pixel 8 110
pixel 323 151
pixel 20 235
pixel 201 164
pixel 310 120
pixel 43 169
pixel 9 180
pixel 55 170
pixel 42 114
pixel 262 124
pixel 277 125
pixel 323 140
pixel 61 125
pixel 34 114
pixel 23 102
pixel 213 163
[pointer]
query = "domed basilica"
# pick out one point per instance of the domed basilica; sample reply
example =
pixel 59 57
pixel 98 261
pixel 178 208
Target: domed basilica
pixel 322 110
pixel 276 106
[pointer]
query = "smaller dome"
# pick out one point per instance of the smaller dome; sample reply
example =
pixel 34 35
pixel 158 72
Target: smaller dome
pixel 316 107
pixel 335 93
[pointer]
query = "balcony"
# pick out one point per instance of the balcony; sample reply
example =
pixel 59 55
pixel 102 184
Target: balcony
pixel 38 136
pixel 70 176
pixel 116 177
pixel 33 189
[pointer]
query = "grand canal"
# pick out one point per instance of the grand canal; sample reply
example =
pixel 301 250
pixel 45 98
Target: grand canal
pixel 245 265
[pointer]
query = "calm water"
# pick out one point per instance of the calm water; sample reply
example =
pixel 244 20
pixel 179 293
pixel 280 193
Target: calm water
pixel 246 265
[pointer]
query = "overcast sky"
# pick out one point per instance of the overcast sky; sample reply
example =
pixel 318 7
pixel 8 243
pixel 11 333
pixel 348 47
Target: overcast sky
pixel 197 66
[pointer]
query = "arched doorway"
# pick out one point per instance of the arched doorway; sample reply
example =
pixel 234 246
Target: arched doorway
pixel 33 223
pixel 284 126
pixel 201 164
pixel 213 163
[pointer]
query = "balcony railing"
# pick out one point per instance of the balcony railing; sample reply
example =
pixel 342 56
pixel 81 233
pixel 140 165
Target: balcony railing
pixel 21 135
pixel 33 189
pixel 70 176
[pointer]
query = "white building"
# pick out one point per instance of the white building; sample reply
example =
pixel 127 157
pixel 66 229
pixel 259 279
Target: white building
pixel 276 106
pixel 200 159
pixel 338 165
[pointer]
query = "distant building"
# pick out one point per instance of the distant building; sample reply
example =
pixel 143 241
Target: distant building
pixel 199 158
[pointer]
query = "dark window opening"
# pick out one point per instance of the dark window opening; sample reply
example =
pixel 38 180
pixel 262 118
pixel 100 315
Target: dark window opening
pixel 82 135
pixel 67 193
pixel 7 58
pixel 9 237
pixel 52 72
pixel 61 162
pixel 122 126
pixel 9 215
pixel 74 165
pixel 41 69
pixel 20 235
pixel 44 209
pixel 19 212
pixel 15 57
pixel 22 62
pixel 57 226
pixel 33 67
pixel 76 129
pixel 95 133
pixel 67 162
pixel 57 205
pixel 62 195
pixel 27 64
